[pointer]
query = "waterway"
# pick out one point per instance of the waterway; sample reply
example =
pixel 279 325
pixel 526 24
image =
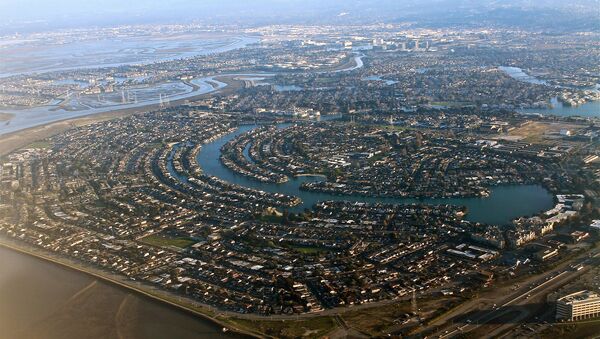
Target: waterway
pixel 505 202
pixel 379 78
pixel 37 56
pixel 518 74
pixel 41 115
pixel 589 109
pixel 358 63
pixel 39 299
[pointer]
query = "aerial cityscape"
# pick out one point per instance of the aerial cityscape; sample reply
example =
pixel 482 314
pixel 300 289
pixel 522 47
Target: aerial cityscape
pixel 300 169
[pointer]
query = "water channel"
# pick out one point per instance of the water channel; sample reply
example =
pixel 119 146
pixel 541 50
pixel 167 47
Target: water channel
pixel 504 203
pixel 589 109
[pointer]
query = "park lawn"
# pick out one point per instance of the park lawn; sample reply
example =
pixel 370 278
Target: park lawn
pixel 309 249
pixel 163 241
pixel 451 103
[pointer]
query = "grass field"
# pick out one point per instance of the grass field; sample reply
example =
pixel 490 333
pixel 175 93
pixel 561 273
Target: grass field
pixel 162 241
pixel 310 249
pixel 451 103
pixel 378 321
pixel 39 144
pixel 308 328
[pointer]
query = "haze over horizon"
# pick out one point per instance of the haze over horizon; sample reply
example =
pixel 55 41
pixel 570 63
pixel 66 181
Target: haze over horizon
pixel 299 169
pixel 35 15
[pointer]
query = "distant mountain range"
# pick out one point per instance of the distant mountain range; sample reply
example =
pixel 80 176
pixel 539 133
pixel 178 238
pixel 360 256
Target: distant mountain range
pixel 534 14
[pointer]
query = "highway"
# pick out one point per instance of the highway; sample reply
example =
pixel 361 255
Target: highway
pixel 520 305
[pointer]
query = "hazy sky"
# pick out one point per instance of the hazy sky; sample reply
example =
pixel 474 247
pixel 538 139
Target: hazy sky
pixel 22 13
pixel 45 9
pixel 135 11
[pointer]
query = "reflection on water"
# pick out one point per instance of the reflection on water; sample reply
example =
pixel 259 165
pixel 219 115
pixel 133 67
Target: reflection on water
pixel 39 299
pixel 379 78
pixel 589 109
pixel 504 203
pixel 52 56
pixel 30 117
pixel 518 74
pixel 36 116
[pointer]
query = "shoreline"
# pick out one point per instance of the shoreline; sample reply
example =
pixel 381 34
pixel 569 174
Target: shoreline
pixel 15 140
pixel 12 141
pixel 237 41
pixel 225 319
pixel 28 135
pixel 178 302
pixel 162 295
pixel 122 283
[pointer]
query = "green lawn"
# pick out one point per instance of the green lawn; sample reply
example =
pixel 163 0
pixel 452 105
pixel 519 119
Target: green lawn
pixel 309 249
pixel 163 241
pixel 450 103
pixel 39 144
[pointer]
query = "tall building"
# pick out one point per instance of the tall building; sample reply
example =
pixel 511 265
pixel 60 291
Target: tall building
pixel 577 306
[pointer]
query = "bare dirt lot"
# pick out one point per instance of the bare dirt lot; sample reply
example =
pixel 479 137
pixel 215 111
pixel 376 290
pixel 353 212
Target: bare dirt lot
pixel 541 131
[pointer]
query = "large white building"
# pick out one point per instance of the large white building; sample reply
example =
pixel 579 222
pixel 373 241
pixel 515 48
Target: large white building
pixel 578 306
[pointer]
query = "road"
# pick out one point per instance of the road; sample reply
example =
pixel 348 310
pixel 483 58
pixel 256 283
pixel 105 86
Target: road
pixel 26 118
pixel 519 306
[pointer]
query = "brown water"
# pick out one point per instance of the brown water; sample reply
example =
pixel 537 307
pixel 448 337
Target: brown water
pixel 39 299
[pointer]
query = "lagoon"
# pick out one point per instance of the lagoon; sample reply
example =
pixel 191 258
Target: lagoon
pixel 505 202
pixel 589 109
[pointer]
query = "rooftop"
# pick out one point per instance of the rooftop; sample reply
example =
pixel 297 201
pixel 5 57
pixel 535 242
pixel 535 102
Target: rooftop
pixel 580 296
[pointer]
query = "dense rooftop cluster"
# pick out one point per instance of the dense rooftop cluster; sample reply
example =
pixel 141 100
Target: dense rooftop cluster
pixel 117 194
pixel 456 68
pixel 129 196
pixel 430 115
pixel 373 161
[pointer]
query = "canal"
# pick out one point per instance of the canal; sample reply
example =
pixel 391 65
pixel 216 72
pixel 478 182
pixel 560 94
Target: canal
pixel 589 109
pixel 504 203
